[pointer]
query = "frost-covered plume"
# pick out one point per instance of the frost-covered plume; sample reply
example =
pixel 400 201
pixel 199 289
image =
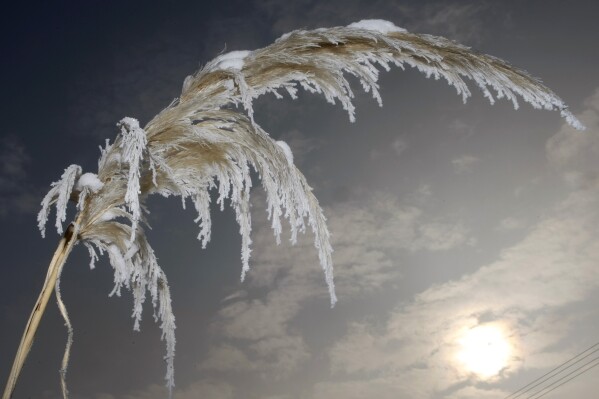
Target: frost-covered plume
pixel 59 194
pixel 133 146
pixel 202 144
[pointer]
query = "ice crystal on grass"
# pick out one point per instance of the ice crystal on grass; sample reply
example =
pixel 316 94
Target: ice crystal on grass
pixel 133 146
pixel 201 142
pixel 59 194
pixel 233 60
pixel 378 25
pixel 90 182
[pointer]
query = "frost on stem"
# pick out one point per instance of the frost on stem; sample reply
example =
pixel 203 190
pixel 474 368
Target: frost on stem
pixel 133 146
pixel 59 194
pixel 202 143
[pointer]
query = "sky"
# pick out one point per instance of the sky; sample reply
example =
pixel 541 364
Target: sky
pixel 451 223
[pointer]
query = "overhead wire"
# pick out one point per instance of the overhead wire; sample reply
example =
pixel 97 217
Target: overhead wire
pixel 553 372
pixel 534 396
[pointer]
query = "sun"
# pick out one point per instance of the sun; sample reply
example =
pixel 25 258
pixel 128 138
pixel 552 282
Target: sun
pixel 484 350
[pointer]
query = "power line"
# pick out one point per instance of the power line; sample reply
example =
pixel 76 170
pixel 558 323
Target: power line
pixel 558 373
pixel 552 373
pixel 569 379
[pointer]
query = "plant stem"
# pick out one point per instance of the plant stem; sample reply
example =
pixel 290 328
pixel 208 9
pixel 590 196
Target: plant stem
pixel 60 256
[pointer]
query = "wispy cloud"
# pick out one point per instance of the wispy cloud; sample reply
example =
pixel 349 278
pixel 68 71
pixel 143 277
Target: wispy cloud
pixel 396 148
pixel 527 290
pixel 463 21
pixel 575 154
pixel 205 389
pixel 368 238
pixel 464 164
pixel 13 160
pixel 225 358
pixel 16 194
pixel 510 224
pixel 300 144
pixel 399 146
pixel 530 291
pixel 462 128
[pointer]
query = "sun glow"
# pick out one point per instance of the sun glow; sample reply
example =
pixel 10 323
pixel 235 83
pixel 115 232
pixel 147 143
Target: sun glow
pixel 484 350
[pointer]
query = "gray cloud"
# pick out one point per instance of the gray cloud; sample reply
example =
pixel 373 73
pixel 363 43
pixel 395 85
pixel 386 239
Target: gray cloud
pixel 13 160
pixel 205 389
pixel 461 128
pixel 528 292
pixel 300 144
pixel 224 358
pixel 510 224
pixel 575 154
pixel 463 21
pixel 399 146
pixel 366 236
pixel 258 331
pixel 16 194
pixel 464 164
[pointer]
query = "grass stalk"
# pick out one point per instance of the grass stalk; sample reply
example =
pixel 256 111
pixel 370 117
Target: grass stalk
pixel 58 260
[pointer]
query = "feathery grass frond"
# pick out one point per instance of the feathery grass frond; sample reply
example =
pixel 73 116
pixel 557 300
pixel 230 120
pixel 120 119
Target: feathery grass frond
pixel 317 61
pixel 201 142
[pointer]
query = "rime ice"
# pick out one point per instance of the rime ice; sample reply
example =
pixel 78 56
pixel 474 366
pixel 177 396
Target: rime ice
pixel 378 25
pixel 286 150
pixel 233 60
pixel 89 181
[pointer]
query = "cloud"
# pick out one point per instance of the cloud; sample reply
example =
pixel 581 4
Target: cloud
pixel 528 290
pixel 464 21
pixel 575 154
pixel 225 357
pixel 422 195
pixel 205 389
pixel 13 160
pixel 380 388
pixel 471 392
pixel 462 128
pixel 366 236
pixel 255 333
pixel 399 146
pixel 464 164
pixel 16 194
pixel 510 224
pixel 279 356
pixel 269 346
pixel 300 144
pixel 531 292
